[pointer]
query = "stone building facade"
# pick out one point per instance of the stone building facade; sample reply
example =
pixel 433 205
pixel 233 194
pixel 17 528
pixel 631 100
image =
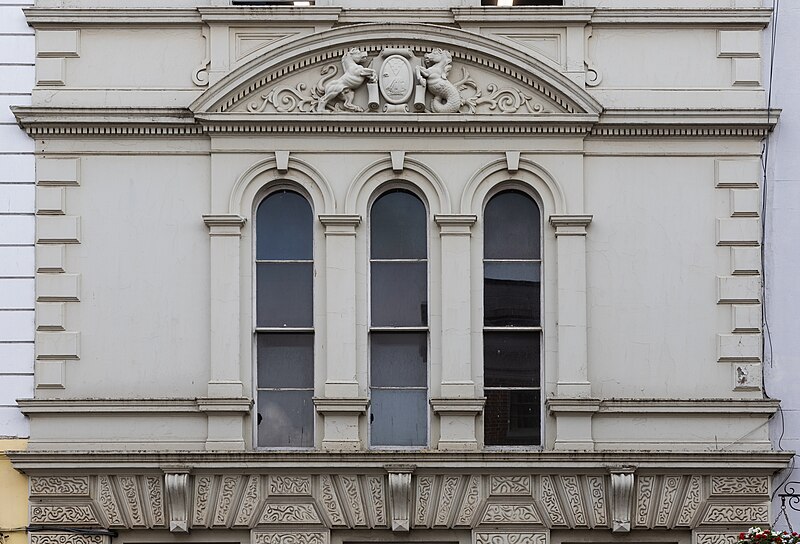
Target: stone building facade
pixel 330 274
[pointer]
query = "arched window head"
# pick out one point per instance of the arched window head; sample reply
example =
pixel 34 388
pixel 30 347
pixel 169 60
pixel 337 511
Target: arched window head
pixel 398 320
pixel 512 320
pixel 284 321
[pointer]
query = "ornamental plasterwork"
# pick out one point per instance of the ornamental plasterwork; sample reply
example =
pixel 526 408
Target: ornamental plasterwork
pixel 181 502
pixel 398 80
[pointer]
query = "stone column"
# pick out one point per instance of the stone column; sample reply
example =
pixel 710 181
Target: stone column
pixel 458 405
pixel 225 404
pixel 572 405
pixel 341 405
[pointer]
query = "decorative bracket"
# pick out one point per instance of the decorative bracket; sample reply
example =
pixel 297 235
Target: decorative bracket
pixel 176 482
pixel 400 496
pixel 621 497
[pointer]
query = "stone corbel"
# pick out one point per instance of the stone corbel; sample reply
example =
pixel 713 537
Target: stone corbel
pixel 224 224
pixel 176 482
pixel 400 496
pixel 621 497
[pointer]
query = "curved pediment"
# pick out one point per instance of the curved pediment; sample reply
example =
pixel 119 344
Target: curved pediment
pixel 403 68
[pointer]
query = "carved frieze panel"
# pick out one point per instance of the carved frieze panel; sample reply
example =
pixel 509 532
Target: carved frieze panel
pixel 330 502
pixel 470 503
pixel 716 538
pixel 202 498
pixel 574 496
pixel 551 502
pixel 155 495
pixel 527 537
pixel 68 538
pixel 63 514
pixel 290 485
pixel 666 505
pixel 424 493
pixel 645 488
pixel 742 514
pixel 109 505
pixel 131 501
pixel 691 502
pixel 249 504
pixel 447 498
pixel 739 485
pixel 377 502
pixel 510 485
pixel 227 494
pixel 498 514
pixel 261 536
pixel 289 513
pixel 76 486
pixel 597 499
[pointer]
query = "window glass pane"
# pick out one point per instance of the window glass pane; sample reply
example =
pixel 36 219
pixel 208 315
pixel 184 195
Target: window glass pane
pixel 398 222
pixel 284 294
pixel 512 418
pixel 511 359
pixel 399 417
pixel 286 360
pixel 399 359
pixel 511 228
pixel 287 419
pixel 284 221
pixel 511 294
pixel 399 294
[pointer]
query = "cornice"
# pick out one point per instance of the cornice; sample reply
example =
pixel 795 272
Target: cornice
pixel 107 406
pixel 522 15
pixel 32 461
pixel 111 16
pixel 43 121
pixel 269 14
pixel 683 16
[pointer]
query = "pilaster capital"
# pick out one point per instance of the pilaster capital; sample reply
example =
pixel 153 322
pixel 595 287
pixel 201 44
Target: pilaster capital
pixel 570 225
pixel 224 224
pixel 456 224
pixel 458 406
pixel 340 224
pixel 340 405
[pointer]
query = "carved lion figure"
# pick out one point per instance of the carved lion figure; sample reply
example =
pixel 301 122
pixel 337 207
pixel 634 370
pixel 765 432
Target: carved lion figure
pixel 354 72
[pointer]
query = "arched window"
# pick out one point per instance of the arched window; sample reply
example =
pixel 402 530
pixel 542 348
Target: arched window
pixel 284 321
pixel 398 320
pixel 512 320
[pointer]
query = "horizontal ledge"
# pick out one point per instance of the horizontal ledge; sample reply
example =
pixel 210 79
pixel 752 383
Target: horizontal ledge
pixel 675 407
pixel 338 405
pixel 458 406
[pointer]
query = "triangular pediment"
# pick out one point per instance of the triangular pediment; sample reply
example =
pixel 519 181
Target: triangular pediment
pixel 403 68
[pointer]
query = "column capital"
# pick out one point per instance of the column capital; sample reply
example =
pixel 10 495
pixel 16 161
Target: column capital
pixel 455 223
pixel 340 224
pixel 224 224
pixel 570 225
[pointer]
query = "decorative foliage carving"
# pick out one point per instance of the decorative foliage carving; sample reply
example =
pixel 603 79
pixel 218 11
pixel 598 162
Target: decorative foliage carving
pixel 156 496
pixel 353 495
pixel 668 494
pixel 227 493
pixel 377 501
pixel 621 495
pixel 472 498
pixel 67 538
pixel 510 513
pixel 691 503
pixel 270 537
pixel 59 485
pixel 130 493
pixel 644 496
pixel 738 485
pixel 716 538
pixel 551 503
pixel 751 514
pixel 572 491
pixel 58 514
pixel 108 503
pixel 250 500
pixel 424 491
pixel 331 502
pixel 289 485
pixel 447 496
pixel 289 513
pixel 178 499
pixel 510 485
pixel 510 538
pixel 202 491
pixel 597 496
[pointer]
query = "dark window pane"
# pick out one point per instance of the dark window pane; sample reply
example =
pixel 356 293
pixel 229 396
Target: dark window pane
pixel 286 360
pixel 511 294
pixel 284 294
pixel 399 294
pixel 511 227
pixel 512 418
pixel 511 359
pixel 284 222
pixel 287 419
pixel 398 227
pixel 399 417
pixel 399 359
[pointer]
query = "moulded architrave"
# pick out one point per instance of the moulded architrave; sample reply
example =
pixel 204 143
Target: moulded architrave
pixel 58 171
pixel 58 345
pixel 50 200
pixel 64 229
pixel 738 232
pixel 747 72
pixel 746 261
pixel 745 202
pixel 739 347
pixel 50 258
pixel 737 173
pixel 51 71
pixel 58 287
pixel 57 43
pixel 738 289
pixel 50 316
pixel 746 317
pixel 739 43
pixel 50 374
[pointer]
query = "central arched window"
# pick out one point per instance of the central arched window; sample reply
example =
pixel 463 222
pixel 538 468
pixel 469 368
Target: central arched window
pixel 512 320
pixel 398 320
pixel 284 321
